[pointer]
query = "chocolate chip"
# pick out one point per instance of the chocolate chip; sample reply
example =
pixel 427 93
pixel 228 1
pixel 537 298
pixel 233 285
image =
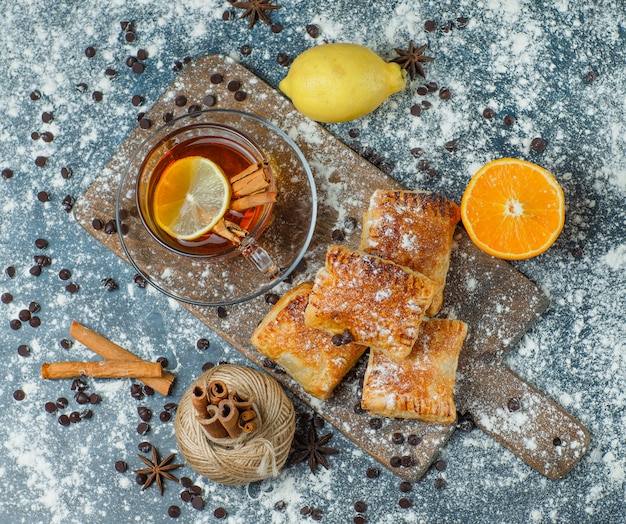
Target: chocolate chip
pixel 142 54
pixel 440 465
pixel 74 417
pixel 90 52
pixel 6 298
pixel 137 100
pixel 305 511
pixel 413 439
pixel 416 110
pixel 591 77
pixel 109 284
pixel 145 123
pixel 405 486
pixel 509 120
pixel 143 428
pixel 358 519
pixel 445 94
pixel 194 108
pixel 466 423
pixel 24 315
pixel 130 37
pixel 97 96
pixel 246 50
pixel 439 483
pixel 197 502
pixel 7 173
pixel 422 90
pixel 556 441
pixel 35 322
pixel 121 466
pixel 446 28
pixel 316 514
pixel 135 391
pixel 86 414
pixel 426 104
pixel 144 447
pixel 429 25
pixel 209 100
pixel 538 145
pixel 110 227
pixel 81 397
pixel 219 513
pixel 228 15
pixel 147 390
pixel 64 420
pixel 145 413
pixel 138 68
pixel 222 312
pixel 404 503
pixel 173 511
pixel 170 406
pixel 216 78
pixel 180 100
pixel 15 324
pixel 34 136
pixel 360 506
pixel 337 340
pixel 46 117
pixel 397 438
pixel 34 307
pixel 577 252
pixel 514 404
pixel 312 30
pixel 110 72
pixel 186 482
pixel 451 145
pixel 375 423
pixel 35 95
pixel 42 260
pixel 65 274
pixel 40 161
pixel 19 394
pixel 233 85
pixel 372 473
pixel 23 350
pixel 35 270
pixel 283 59
pixel 281 505
pixel 71 288
pixel 395 462
pixel 139 281
pixel 240 96
pixel 461 21
pixel 489 113
pixel 141 478
pixel 487 357
pixel 66 172
pixel 50 407
pixel 62 403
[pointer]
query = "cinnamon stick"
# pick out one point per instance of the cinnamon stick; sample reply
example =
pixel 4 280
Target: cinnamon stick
pixel 212 424
pixel 111 351
pixel 102 369
pixel 228 415
pixel 217 391
pixel 200 401
pixel 257 199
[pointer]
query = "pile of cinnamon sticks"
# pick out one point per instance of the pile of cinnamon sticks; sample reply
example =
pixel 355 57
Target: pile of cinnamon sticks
pixel 223 413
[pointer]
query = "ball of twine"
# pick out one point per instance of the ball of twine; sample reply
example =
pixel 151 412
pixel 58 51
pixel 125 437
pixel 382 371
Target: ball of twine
pixel 248 458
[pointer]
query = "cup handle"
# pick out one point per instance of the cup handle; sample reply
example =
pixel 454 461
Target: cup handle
pixel 260 258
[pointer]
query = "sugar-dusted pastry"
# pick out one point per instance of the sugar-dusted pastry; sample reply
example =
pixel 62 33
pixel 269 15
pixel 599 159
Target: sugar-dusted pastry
pixel 308 355
pixel 422 385
pixel 380 303
pixel 414 229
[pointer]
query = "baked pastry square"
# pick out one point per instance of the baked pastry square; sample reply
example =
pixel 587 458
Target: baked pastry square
pixel 422 385
pixel 414 229
pixel 308 355
pixel 380 303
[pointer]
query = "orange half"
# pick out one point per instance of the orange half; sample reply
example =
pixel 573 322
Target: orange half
pixel 513 209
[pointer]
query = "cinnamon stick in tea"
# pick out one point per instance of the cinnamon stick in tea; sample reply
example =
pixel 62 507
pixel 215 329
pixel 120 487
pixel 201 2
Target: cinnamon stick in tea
pixel 111 351
pixel 102 369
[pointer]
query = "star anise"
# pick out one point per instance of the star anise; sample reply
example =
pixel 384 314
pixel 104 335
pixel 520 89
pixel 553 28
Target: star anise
pixel 411 59
pixel 312 449
pixel 256 10
pixel 156 470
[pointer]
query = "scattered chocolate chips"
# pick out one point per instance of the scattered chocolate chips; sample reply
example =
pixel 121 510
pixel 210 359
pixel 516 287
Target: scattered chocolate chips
pixel 338 235
pixel 202 344
pixel 35 270
pixel 109 284
pixel 440 465
pixel 50 407
pixel 451 145
pixel 359 519
pixel 47 136
pixel 145 413
pixel 7 173
pixel 81 397
pixel 422 90
pixel 68 203
pixel 209 100
pixel 283 59
pixel 144 446
pixel 395 462
pixel 413 439
pixel 180 100
pixel 538 145
pixel 135 391
pixel 94 399
pixel 62 403
pixel 147 390
pixel 110 227
pixel 142 54
pixel 576 252
pixel 591 77
pixel 121 466
pixel 556 441
pixel 416 110
pixel 173 511
pixel 110 72
pixel 35 95
pixel 466 423
pixel 35 322
pixel 219 513
pixel 43 196
pixel 360 506
pixel 316 514
pixel 66 344
pixel 145 123
pixel 222 312
pixel 72 288
pixel 233 85
pixel 34 307
pixel 138 68
pixel 462 21
pixel 405 486
pixel 397 438
pixel 74 417
pixel 509 120
pixel 197 502
pixel 430 26
pixel 426 104
pixel 139 281
pixel 90 52
pixel 165 416
pixel 65 274
pixel 40 161
pixel 276 28
pixel 375 423
pixel 6 298
pixel 240 96
pixel 130 37
pixel 487 357
pixel 15 324
pixel 23 350
pixel 34 136
pixel 445 94
pixel 46 117
pixel 64 420
pixel 143 428
pixel 137 100
pixel 217 78
pixel 66 172
pixel 312 30
pixel 86 414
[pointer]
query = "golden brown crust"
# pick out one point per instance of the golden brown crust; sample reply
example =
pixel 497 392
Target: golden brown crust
pixel 308 355
pixel 414 229
pixel 381 303
pixel 422 385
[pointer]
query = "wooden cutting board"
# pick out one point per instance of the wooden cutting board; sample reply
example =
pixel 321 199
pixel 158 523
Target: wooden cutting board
pixel 497 302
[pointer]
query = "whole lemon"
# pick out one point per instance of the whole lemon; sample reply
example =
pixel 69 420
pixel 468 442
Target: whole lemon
pixel 340 82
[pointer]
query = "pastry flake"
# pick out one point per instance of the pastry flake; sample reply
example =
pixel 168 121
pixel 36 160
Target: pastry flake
pixel 422 385
pixel 306 354
pixel 379 302
pixel 414 229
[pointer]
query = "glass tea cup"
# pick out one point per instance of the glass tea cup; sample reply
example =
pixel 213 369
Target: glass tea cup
pixel 212 270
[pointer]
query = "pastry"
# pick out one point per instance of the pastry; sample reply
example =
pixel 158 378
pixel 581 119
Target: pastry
pixel 381 304
pixel 414 229
pixel 422 385
pixel 308 355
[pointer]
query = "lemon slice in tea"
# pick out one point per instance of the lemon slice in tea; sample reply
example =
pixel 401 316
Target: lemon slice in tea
pixel 191 196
